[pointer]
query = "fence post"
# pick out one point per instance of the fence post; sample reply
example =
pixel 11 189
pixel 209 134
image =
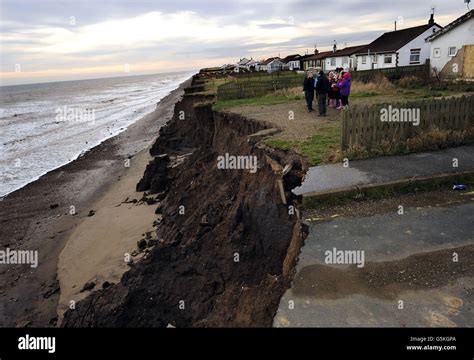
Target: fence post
pixel 344 133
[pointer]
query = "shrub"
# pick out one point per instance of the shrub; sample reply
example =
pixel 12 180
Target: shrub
pixel 380 86
pixel 410 82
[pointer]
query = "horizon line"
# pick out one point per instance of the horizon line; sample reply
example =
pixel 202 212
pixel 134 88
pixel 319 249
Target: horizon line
pixel 97 78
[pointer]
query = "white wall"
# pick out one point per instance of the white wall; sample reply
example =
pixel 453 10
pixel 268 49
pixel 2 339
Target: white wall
pixel 379 62
pixel 341 62
pixel 275 65
pixel 459 36
pixel 294 64
pixel 417 43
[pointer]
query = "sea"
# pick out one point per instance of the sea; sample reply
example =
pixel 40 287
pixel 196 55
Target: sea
pixel 45 126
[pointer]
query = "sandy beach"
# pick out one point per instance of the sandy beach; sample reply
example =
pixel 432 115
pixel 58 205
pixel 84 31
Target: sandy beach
pixel 51 215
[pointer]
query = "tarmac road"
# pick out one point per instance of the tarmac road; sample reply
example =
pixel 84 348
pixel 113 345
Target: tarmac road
pixel 418 271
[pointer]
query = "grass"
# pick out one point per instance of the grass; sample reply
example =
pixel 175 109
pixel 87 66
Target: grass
pixel 278 97
pixel 320 148
pixel 364 94
pixel 212 84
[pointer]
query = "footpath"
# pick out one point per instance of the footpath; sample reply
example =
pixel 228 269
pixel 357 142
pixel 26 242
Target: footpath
pixel 389 172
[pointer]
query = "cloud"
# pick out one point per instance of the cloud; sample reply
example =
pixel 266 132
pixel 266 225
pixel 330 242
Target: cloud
pixel 148 29
pixel 187 33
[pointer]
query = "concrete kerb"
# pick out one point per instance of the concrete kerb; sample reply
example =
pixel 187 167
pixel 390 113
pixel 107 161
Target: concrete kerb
pixel 385 189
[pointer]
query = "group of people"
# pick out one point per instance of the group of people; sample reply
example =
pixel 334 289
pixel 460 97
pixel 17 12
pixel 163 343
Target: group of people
pixel 332 90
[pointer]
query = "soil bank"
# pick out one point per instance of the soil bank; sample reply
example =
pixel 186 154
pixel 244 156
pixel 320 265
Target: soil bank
pixel 227 239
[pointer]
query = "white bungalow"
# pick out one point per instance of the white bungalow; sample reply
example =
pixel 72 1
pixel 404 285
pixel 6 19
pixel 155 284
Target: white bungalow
pixel 451 46
pixel 344 58
pixel 398 48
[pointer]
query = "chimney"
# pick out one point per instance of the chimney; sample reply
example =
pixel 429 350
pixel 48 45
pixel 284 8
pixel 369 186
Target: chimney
pixel 395 25
pixel 316 51
pixel 334 48
pixel 431 21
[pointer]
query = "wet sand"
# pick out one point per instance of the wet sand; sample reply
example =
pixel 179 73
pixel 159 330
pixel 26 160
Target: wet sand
pixel 95 251
pixel 30 220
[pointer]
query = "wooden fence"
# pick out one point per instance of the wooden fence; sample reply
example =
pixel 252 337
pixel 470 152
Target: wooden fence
pixel 254 88
pixel 420 71
pixel 364 126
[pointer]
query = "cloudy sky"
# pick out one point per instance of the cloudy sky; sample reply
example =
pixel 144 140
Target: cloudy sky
pixel 44 40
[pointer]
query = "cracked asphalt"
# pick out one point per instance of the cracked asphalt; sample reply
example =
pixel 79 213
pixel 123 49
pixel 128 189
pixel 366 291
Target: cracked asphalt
pixel 418 270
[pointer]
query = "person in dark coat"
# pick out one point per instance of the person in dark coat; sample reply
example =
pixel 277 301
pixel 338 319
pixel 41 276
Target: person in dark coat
pixel 308 88
pixel 322 89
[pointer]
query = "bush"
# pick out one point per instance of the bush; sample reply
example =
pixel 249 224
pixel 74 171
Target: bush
pixel 410 82
pixel 380 86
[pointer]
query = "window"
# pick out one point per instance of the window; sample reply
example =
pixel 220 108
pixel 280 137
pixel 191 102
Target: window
pixel 345 61
pixel 364 59
pixel 387 59
pixel 374 58
pixel 333 61
pixel 436 52
pixel 415 56
pixel 452 51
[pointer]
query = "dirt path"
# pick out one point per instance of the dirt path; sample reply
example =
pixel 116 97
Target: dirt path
pixel 293 118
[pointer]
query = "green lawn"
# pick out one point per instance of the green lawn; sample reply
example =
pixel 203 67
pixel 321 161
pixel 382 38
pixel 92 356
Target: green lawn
pixel 264 100
pixel 319 148
pixel 211 85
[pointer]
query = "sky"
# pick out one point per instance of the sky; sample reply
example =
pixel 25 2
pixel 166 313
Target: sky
pixel 58 40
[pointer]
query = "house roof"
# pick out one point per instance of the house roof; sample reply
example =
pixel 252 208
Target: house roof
pixel 268 61
pixel 243 61
pixel 452 25
pixel 347 51
pixel 394 40
pixel 293 57
pixel 319 56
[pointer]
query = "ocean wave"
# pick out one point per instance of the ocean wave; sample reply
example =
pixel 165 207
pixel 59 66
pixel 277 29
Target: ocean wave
pixel 40 140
